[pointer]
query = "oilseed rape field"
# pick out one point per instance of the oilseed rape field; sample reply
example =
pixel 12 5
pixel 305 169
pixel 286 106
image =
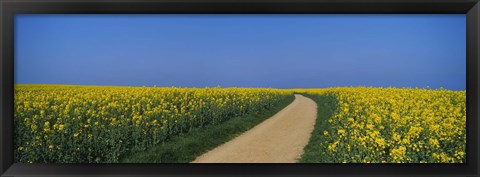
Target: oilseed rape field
pixel 100 124
pixel 391 125
pixel 92 124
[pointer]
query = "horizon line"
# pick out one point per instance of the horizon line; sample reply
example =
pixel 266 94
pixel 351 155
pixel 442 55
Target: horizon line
pixel 219 86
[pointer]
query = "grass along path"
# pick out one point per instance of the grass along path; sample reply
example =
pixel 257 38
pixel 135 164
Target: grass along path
pixel 186 147
pixel 279 139
pixel 313 153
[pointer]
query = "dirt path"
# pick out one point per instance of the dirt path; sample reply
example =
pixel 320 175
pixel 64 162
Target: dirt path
pixel 279 139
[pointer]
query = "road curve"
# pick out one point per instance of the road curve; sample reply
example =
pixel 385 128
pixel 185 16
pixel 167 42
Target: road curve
pixel 279 139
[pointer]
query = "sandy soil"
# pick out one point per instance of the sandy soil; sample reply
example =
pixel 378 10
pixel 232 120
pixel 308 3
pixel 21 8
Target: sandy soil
pixel 279 139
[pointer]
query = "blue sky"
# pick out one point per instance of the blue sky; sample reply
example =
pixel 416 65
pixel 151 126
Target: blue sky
pixel 281 51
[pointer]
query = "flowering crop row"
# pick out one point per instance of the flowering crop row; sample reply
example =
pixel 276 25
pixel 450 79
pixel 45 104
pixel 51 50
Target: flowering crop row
pixel 392 125
pixel 85 124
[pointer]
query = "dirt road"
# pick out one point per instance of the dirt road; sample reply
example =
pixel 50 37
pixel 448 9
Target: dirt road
pixel 279 139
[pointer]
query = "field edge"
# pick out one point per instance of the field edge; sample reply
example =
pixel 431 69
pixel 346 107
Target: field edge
pixel 326 107
pixel 184 148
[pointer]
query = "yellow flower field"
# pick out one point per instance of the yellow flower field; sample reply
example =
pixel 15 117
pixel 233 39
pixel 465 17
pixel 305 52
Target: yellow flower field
pixel 391 125
pixel 96 124
pixel 77 124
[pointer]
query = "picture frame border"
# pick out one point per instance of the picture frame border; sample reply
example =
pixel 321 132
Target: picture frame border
pixel 8 9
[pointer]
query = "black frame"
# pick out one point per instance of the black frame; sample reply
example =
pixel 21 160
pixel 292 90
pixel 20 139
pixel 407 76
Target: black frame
pixel 8 8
